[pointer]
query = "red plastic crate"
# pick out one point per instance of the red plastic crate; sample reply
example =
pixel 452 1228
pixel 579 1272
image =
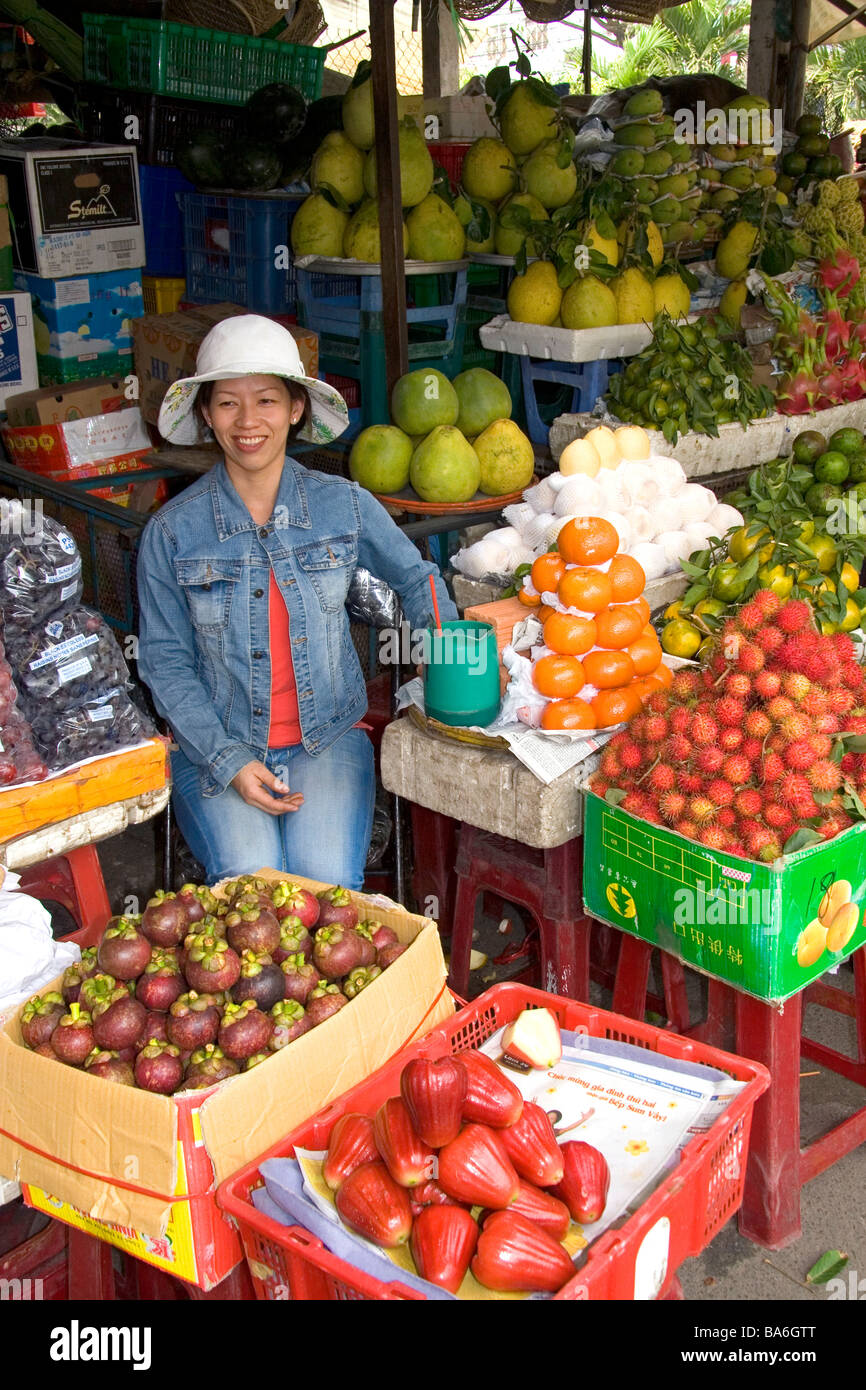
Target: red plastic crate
pixel 450 154
pixel 697 1198
pixel 348 387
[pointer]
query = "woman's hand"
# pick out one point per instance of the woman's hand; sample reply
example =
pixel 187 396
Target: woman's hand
pixel 258 786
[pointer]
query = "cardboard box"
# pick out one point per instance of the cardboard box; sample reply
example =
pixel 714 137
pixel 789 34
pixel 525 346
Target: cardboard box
pixel 80 318
pixel 140 1170
pixel 56 405
pixel 18 366
pixel 75 210
pixel 166 346
pixel 87 448
pixel 735 919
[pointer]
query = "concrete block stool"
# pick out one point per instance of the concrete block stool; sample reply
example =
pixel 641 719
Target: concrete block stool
pixel 778 1166
pixel 515 838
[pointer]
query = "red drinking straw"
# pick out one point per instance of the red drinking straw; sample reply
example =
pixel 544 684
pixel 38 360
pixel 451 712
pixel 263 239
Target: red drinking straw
pixel 435 604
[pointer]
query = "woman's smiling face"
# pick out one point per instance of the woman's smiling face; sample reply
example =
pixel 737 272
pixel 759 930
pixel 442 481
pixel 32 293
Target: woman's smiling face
pixel 251 417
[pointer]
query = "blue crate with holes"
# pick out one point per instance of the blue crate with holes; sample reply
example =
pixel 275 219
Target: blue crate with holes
pixel 237 248
pixel 161 186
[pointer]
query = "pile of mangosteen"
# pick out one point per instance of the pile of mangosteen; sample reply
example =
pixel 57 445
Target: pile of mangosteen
pixel 199 987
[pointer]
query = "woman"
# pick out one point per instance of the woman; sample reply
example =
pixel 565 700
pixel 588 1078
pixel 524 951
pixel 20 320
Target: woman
pixel 244 636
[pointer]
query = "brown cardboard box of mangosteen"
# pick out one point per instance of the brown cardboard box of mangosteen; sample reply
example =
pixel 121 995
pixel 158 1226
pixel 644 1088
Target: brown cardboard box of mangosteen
pixel 140 1170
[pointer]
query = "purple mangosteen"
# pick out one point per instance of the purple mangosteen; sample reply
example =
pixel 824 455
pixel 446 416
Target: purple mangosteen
pixel 300 978
pixel 260 980
pixel 123 951
pixel 158 1068
pixel 41 1015
pixel 161 982
pixel 244 1030
pixel 193 1021
pixel 166 919
pixel 324 1001
pixel 336 908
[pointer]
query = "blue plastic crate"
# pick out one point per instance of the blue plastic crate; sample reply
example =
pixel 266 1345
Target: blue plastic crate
pixel 238 249
pixel 163 223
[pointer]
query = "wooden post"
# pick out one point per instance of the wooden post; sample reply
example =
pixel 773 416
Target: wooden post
pixel 441 52
pixel 586 59
pixel 389 193
pixel 761 71
pixel 795 83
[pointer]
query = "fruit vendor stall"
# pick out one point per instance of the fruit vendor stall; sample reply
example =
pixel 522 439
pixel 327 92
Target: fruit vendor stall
pixel 442 930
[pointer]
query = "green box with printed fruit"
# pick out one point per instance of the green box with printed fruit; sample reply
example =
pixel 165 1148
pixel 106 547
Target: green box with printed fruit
pixel 766 929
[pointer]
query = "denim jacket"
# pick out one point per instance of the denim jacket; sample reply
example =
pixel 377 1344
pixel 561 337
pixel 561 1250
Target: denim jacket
pixel 203 579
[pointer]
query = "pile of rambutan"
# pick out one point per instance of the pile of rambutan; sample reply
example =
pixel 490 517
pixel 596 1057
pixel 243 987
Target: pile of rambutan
pixel 741 754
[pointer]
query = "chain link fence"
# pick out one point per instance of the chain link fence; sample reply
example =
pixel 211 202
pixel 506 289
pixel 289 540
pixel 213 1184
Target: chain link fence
pixel 491 45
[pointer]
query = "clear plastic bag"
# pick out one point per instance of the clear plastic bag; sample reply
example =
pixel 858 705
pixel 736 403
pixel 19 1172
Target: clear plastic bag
pixel 40 567
pixel 89 730
pixel 71 659
pixel 19 760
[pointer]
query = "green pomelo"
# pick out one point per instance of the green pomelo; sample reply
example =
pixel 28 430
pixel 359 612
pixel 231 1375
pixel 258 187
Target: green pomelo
pixel 646 103
pixel 525 122
pixel 361 241
pixel 358 115
pixel 340 164
pixel 416 166
pixel 589 303
pixel 509 239
pixel 657 162
pixel 380 458
pixel 545 180
pixel 423 400
pixel 506 457
pixel 445 468
pixel 489 170
pixel 627 164
pixel 483 398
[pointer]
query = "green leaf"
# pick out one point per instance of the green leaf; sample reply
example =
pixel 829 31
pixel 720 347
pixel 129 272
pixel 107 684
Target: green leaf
pixel 523 65
pixel 334 197
pixel 801 839
pixel 613 796
pixel 497 81
pixel 543 91
pixel 694 594
pixel 854 743
pixel 563 156
pixel 521 261
pixel 828 1265
pixel 693 570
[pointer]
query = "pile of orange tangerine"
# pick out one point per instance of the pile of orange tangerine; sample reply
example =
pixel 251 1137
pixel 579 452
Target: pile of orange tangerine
pixel 608 644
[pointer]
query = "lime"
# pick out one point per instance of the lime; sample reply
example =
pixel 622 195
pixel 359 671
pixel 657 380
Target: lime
pixel 728 583
pixel 824 550
pixel 807 530
pixel 680 638
pixel 673 610
pixel 850 577
pixel 832 467
pixel 847 441
pixel 777 578
pixel 741 545
pixel 822 497
pixel 857 469
pixel 809 446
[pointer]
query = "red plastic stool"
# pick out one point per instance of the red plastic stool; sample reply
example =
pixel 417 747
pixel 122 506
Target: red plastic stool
pixel 40 1264
pixel 434 850
pixel 94 1275
pixel 74 880
pixel 548 883
pixel 778 1166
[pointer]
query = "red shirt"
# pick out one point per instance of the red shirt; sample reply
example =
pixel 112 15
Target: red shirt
pixel 285 720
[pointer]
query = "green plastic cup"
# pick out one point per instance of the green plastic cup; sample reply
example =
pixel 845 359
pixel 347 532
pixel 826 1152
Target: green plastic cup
pixel 461 676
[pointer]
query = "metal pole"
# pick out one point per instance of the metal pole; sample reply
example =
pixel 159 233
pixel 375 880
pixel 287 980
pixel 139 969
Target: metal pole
pixel 387 149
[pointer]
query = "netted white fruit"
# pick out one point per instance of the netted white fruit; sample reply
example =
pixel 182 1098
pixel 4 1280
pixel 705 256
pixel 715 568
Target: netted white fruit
pixel 643 524
pixel 651 559
pixel 670 474
pixel 494 558
pixel 507 536
pixel 519 515
pixel 610 489
pixel 581 496
pixel 695 503
pixel 554 526
pixel 676 547
pixel 541 497
pixel 698 533
pixel 722 517
pixel 621 525
pixel 639 485
pixel 535 533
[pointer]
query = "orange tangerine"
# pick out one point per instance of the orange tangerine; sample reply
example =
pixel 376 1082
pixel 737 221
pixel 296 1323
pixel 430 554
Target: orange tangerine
pixel 568 714
pixel 608 669
pixel 646 653
pixel 643 686
pixel 547 571
pixel 587 540
pixel 558 677
pixel 619 625
pixel 528 600
pixel 568 634
pixel 627 578
pixel 615 706
pixel 663 674
pixel 586 589
pixel 643 607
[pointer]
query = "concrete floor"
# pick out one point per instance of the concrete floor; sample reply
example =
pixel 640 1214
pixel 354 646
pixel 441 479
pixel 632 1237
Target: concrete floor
pixel 833 1205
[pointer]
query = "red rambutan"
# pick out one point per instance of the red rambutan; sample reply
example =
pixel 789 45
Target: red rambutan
pixel 752 748
pixel 685 684
pixel 768 601
pixel 750 658
pixel 794 615
pixel 730 711
pixel 709 760
pixel 767 684
pixel 630 756
pixel 756 724
pixel 636 803
pixel 799 755
pixel 772 767
pixel 737 769
pixel 672 805
pixel 727 818
pixel 748 801
pixel 851 675
pixel 730 739
pixel 679 719
pixel 840 700
pixel 720 792
pixel 656 728
pixel 764 845
pixel 824 775
pixel 793 790
pixel 703 730
pixel 687 828
pixel 769 639
pixel 738 685
pixel 676 748
pixel 690 782
pixel 701 810
pixel 713 837
pixel 779 708
pixel 662 778
pixel 815 701
pixel 750 617
pixel 796 686
pixel 778 817
pixel 795 726
pixel 795 653
pixel 658 702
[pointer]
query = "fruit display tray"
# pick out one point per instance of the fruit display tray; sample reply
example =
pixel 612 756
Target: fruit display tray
pixel 636 1259
pixel 502 334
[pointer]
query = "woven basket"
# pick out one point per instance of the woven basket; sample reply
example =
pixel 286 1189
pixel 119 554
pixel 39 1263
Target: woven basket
pixel 255 17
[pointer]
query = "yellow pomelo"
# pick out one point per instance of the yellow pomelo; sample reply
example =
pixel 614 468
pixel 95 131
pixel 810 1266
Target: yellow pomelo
pixel 732 302
pixel 671 293
pixel 525 121
pixel 580 456
pixel 361 239
pixel 589 303
pixel 535 296
pixel 606 246
pixel 416 166
pixel 545 180
pixel 635 302
pixel 734 251
pixel 506 457
pixel 358 115
pixel 340 164
pixel 435 233
pixel 489 170
pixel 318 228
pixel 509 239
pixel 445 467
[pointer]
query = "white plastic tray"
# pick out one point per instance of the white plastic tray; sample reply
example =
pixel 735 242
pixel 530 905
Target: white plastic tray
pixel 502 334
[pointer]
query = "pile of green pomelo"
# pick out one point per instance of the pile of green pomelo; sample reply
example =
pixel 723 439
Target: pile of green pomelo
pixel 448 439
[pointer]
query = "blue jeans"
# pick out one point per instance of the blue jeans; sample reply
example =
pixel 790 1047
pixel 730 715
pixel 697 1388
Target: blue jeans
pixel 327 839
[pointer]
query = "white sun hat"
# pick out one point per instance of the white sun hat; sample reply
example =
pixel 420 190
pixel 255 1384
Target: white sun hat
pixel 250 345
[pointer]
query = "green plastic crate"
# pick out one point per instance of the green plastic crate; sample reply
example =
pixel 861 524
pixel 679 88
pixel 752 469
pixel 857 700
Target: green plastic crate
pixel 183 60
